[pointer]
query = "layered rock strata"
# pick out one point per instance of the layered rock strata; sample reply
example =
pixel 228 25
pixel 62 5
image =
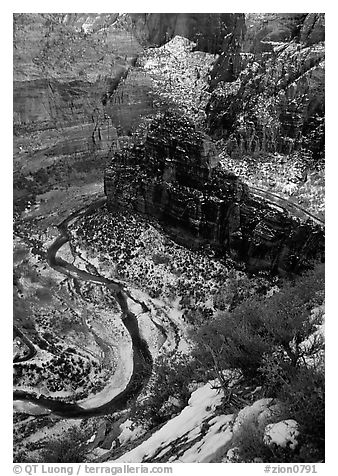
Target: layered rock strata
pixel 276 102
pixel 66 67
pixel 174 176
pixel 212 32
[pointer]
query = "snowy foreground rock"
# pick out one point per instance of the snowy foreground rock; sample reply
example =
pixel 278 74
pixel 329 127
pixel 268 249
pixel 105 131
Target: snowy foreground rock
pixel 283 433
pixel 202 433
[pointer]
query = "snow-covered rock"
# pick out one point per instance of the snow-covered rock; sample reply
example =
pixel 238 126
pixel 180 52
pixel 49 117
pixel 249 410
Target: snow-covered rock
pixel 129 432
pixel 213 443
pixel 201 432
pixel 232 456
pixel 172 405
pixel 284 434
pixel 91 439
pixel 260 412
pixel 197 434
pixel 313 345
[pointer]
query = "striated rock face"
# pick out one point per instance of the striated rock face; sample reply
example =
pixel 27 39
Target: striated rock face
pixel 264 28
pixel 66 66
pixel 266 84
pixel 212 32
pixel 136 94
pixel 218 33
pixel 175 177
pixel 131 101
pixel 276 103
pixel 313 29
pixel 80 69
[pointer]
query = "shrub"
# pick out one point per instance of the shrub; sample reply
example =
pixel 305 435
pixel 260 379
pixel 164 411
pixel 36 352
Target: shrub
pixel 160 258
pixel 264 339
pixel 231 341
pixel 249 442
pixel 71 448
pixel 259 330
pixel 304 396
pixel 171 379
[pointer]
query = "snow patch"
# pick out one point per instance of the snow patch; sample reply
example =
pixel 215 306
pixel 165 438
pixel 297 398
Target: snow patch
pixel 129 433
pixel 91 439
pixel 232 456
pixel 213 443
pixel 259 411
pixel 187 424
pixel 283 433
pixel 22 406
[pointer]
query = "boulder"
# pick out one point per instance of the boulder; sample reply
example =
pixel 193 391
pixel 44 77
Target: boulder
pixel 232 456
pixel 283 434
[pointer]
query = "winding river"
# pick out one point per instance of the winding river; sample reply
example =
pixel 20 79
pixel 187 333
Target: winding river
pixel 142 360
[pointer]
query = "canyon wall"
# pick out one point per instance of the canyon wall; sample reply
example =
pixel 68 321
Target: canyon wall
pixel 76 75
pixel 266 85
pixel 276 102
pixel 174 175
pixel 65 68
pixel 212 32
pixel 64 60
pixel 78 88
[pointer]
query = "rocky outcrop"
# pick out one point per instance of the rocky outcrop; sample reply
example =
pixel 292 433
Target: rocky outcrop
pixel 212 32
pixel 218 33
pixel 276 103
pixel 137 95
pixel 174 176
pixel 203 432
pixel 264 28
pixel 313 29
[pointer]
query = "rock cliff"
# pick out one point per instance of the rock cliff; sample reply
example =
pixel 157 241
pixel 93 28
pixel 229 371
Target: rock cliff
pixel 139 95
pixel 78 87
pixel 65 68
pixel 76 75
pixel 212 32
pixel 174 175
pixel 276 102
pixel 266 83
